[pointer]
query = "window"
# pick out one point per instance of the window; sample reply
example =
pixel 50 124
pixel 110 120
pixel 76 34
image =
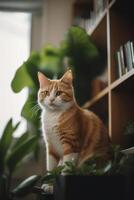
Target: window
pixel 14 50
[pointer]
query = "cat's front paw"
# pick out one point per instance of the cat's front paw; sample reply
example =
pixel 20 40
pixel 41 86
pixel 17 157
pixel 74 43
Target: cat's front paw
pixel 47 188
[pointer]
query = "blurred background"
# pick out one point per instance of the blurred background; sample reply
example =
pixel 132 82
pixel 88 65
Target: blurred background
pixel 47 36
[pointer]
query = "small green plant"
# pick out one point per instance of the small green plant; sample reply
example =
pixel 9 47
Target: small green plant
pixel 50 176
pixel 117 164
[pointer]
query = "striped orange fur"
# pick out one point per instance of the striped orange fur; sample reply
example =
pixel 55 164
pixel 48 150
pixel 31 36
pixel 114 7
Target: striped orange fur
pixel 70 132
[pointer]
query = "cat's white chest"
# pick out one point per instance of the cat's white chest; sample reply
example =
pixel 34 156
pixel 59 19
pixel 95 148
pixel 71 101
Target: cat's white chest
pixel 50 122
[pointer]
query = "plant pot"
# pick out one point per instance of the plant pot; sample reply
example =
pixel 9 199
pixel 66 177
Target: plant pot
pixel 129 141
pixel 41 195
pixel 44 196
pixel 91 187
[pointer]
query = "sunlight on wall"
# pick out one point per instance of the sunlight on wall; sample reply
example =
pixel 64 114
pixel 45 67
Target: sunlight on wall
pixel 14 50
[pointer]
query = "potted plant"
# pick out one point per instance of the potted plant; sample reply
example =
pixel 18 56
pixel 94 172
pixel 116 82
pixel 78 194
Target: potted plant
pixel 110 179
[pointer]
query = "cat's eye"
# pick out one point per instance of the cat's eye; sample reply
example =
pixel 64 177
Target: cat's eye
pixel 46 92
pixel 58 93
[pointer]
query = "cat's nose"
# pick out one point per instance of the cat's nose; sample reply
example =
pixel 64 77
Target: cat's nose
pixel 51 100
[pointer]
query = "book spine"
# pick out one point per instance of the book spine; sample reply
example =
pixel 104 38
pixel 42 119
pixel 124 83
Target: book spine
pixel 123 66
pixel 132 52
pixel 128 55
pixel 119 67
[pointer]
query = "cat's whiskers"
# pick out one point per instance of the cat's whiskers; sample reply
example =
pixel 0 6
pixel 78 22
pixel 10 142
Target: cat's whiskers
pixel 34 109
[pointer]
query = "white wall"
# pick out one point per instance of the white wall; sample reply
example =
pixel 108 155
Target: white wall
pixel 51 26
pixel 14 50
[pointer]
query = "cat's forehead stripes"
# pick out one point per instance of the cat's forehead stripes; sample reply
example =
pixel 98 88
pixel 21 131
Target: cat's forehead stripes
pixel 52 86
pixel 58 85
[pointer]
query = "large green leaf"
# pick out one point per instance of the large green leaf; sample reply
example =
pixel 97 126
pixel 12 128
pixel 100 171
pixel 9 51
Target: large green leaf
pixel 21 79
pixel 32 66
pixel 20 140
pixel 52 59
pixel 86 59
pixel 78 45
pixel 6 141
pixel 26 186
pixel 17 155
pixel 48 59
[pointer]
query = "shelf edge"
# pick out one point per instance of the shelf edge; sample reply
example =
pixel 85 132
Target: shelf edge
pixel 96 98
pixel 97 22
pixel 100 17
pixel 121 80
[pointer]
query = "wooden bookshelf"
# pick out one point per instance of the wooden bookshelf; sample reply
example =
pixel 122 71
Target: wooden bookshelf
pixel 115 103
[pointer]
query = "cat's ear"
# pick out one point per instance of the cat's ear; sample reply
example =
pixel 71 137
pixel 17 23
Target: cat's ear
pixel 67 77
pixel 43 80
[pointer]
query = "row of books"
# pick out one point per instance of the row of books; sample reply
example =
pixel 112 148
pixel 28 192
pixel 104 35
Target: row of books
pixel 99 6
pixel 125 58
pixel 94 13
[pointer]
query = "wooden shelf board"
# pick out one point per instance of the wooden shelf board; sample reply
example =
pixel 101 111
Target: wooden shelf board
pixel 121 80
pixel 99 18
pixel 96 98
pixel 129 150
pixel 111 3
pixel 97 22
pixel 116 84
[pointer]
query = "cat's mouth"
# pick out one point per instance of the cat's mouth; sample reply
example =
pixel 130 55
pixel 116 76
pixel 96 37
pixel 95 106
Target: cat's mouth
pixel 51 104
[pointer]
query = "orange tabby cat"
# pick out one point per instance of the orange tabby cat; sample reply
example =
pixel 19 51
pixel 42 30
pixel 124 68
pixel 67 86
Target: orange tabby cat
pixel 70 132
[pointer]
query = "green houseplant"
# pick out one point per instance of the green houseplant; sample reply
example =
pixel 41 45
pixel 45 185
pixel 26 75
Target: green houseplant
pixel 12 153
pixel 86 58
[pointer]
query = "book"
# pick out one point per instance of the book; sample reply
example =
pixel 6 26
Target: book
pixel 99 6
pixel 128 55
pixel 132 52
pixel 123 64
pixel 119 71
